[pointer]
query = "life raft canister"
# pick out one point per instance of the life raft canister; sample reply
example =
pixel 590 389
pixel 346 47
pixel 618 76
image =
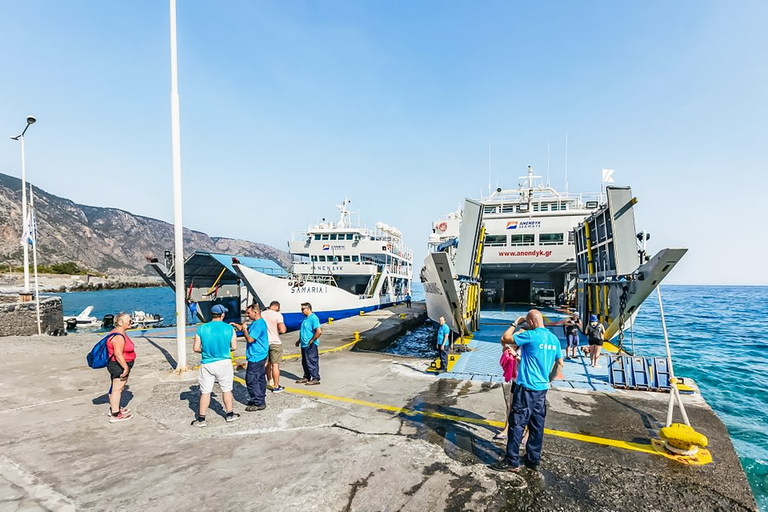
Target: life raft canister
pixel 442 226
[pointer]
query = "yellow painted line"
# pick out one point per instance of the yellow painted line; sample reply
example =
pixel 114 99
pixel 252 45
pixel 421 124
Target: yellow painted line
pixel 625 445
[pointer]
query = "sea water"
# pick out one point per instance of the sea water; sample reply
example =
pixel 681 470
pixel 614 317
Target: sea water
pixel 715 332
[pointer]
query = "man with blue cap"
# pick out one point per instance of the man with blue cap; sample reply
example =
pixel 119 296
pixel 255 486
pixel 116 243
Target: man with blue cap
pixel 214 341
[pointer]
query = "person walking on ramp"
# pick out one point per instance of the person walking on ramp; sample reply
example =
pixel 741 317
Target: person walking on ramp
pixel 309 334
pixel 214 341
pixel 541 359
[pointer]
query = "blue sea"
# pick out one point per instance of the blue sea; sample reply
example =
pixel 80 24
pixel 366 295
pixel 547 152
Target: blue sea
pixel 716 335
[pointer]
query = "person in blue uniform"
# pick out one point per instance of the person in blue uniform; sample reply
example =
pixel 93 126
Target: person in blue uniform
pixel 309 334
pixel 541 359
pixel 443 343
pixel 256 352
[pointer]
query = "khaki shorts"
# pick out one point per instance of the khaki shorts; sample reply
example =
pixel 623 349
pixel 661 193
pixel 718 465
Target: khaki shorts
pixel 275 353
pixel 220 371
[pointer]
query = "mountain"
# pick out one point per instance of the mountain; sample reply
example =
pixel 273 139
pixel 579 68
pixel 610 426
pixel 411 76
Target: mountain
pixel 103 239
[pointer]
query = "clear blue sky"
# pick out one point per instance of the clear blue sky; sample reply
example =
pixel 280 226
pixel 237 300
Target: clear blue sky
pixel 288 107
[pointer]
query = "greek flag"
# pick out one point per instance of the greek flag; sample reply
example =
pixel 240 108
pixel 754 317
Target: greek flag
pixel 30 229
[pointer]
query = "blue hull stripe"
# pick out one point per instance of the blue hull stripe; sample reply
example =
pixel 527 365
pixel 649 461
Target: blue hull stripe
pixel 293 320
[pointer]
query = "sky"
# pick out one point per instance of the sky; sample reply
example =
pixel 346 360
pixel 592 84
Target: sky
pixel 289 107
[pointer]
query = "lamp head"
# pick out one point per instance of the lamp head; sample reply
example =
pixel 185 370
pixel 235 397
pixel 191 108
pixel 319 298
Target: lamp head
pixel 31 119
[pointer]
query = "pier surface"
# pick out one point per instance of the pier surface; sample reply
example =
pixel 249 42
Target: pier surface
pixel 378 434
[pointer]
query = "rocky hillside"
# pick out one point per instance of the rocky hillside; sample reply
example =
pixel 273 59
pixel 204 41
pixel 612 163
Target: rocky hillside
pixel 103 239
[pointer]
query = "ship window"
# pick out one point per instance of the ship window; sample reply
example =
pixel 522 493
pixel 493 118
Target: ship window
pixel 321 258
pixel 346 258
pixel 317 237
pixel 536 207
pixel 521 239
pixel 336 258
pixel 550 238
pixel 490 209
pixel 495 240
pixel 333 236
pixel 355 258
pixel 314 258
pixel 570 238
pixel 507 208
pixel 325 237
pixel 349 236
pixel 522 208
pixel 545 207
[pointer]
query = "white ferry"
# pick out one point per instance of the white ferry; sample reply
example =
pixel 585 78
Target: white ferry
pixel 340 269
pixel 451 269
pixel 529 254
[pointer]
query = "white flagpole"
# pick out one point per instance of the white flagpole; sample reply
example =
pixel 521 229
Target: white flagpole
pixel 33 235
pixel 178 266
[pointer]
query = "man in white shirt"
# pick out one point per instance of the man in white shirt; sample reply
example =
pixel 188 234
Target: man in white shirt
pixel 275 327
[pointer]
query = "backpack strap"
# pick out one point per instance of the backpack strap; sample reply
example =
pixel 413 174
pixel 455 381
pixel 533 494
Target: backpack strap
pixel 109 338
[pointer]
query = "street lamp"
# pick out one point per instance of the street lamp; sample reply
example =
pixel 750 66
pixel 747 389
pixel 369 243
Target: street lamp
pixel 30 121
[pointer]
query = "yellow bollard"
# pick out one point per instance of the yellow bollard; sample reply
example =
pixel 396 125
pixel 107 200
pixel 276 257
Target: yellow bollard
pixel 330 320
pixel 357 336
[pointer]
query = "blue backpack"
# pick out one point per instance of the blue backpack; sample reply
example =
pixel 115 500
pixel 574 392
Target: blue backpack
pixel 98 357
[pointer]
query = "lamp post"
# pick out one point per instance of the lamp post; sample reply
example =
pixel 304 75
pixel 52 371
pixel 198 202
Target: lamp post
pixel 30 120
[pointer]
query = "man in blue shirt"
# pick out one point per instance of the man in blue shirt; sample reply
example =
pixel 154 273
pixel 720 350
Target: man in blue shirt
pixel 443 344
pixel 256 352
pixel 309 334
pixel 214 341
pixel 541 359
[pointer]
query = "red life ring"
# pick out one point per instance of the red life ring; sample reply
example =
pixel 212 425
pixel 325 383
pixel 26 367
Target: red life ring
pixel 442 226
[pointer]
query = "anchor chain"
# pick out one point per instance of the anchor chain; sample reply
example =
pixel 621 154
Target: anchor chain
pixel 622 307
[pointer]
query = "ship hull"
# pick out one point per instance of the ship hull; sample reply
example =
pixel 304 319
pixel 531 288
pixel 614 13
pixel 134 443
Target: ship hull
pixel 327 301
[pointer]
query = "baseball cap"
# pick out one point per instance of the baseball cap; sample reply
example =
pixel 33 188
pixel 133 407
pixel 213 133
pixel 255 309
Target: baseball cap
pixel 593 318
pixel 576 314
pixel 218 309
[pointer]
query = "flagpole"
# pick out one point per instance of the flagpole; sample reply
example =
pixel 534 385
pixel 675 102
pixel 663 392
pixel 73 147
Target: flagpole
pixel 33 234
pixel 178 265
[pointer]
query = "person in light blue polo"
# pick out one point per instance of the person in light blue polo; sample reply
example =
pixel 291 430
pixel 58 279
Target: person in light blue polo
pixel 309 334
pixel 256 352
pixel 541 359
pixel 443 344
pixel 214 341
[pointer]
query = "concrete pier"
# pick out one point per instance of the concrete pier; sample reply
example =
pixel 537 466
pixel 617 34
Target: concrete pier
pixel 378 434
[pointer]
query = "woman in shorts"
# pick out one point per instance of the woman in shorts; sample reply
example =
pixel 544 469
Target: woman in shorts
pixel 595 333
pixel 122 355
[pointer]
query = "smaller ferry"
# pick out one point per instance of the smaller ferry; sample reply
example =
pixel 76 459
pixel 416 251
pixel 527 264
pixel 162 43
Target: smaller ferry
pixel 339 269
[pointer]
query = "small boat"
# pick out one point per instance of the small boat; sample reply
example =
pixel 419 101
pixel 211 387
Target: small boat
pixel 142 319
pixel 83 320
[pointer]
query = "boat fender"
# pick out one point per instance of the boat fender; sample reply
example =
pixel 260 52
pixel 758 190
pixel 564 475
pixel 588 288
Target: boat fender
pixel 442 226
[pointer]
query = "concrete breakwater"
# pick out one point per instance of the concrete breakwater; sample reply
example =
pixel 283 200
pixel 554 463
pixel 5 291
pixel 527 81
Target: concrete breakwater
pixel 14 283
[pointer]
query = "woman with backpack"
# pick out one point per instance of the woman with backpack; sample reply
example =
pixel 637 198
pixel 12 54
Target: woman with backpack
pixel 595 333
pixel 122 355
